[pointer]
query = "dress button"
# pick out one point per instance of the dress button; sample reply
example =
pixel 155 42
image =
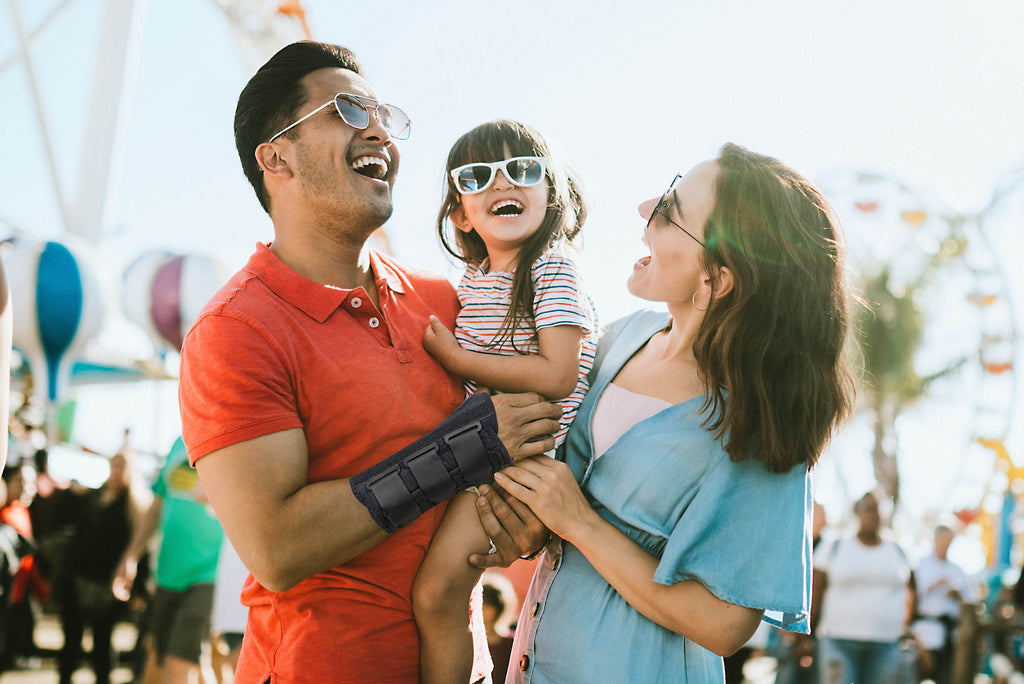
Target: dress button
pixel 536 609
pixel 524 663
pixel 374 322
pixel 356 302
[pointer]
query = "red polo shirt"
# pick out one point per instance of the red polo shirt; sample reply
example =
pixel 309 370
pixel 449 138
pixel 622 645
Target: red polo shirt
pixel 273 351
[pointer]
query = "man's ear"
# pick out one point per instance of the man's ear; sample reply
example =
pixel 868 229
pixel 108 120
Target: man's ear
pixel 459 219
pixel 269 157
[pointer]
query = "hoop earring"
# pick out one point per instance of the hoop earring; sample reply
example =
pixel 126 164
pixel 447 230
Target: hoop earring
pixel 693 300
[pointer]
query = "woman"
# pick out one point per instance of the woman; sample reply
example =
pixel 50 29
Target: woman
pixel 103 528
pixel 863 602
pixel 681 513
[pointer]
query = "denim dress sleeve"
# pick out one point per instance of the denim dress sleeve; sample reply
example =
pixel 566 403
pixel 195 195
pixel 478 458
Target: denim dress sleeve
pixel 745 536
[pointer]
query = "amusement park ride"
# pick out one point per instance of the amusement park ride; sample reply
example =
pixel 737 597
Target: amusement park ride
pixel 942 286
pixel 58 305
pixel 939 344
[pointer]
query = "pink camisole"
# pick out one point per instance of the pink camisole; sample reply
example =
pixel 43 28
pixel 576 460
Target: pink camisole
pixel 617 411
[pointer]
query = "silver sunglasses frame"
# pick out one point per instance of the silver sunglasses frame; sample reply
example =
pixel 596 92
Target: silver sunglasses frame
pixel 366 102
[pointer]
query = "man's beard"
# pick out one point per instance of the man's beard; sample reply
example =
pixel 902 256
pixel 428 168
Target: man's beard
pixel 320 185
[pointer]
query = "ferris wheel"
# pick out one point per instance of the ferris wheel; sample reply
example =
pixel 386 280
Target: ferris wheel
pixel 934 277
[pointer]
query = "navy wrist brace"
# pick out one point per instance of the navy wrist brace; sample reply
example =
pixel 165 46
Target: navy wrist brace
pixel 462 452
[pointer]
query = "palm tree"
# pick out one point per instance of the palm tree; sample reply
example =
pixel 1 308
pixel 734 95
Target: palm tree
pixel 890 329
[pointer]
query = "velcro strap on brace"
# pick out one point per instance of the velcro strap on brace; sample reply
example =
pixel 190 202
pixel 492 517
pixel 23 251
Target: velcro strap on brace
pixel 462 452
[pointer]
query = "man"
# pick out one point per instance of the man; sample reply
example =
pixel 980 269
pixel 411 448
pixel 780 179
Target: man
pixel 309 405
pixel 190 536
pixel 941 585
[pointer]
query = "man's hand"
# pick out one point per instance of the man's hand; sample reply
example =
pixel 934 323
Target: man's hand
pixel 511 525
pixel 526 423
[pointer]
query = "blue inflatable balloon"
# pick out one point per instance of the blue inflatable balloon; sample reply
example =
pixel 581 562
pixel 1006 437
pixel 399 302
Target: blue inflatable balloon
pixel 57 309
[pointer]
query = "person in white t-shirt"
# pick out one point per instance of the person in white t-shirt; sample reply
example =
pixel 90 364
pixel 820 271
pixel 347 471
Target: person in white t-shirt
pixel 862 602
pixel 942 586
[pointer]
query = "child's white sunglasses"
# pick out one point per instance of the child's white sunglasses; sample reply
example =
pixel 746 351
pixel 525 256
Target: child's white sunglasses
pixel 476 177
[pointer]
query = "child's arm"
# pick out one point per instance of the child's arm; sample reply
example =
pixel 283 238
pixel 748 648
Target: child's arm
pixel 552 373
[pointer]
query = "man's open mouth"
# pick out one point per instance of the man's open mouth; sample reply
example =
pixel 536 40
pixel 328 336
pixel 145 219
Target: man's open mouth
pixel 370 166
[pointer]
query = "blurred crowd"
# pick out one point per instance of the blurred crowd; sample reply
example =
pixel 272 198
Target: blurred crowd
pixel 146 550
pixel 142 550
pixel 880 615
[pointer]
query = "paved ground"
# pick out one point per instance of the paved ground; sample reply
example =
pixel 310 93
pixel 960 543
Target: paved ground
pixel 48 636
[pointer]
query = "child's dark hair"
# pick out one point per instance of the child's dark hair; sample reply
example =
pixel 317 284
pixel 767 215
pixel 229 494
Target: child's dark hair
pixel 566 212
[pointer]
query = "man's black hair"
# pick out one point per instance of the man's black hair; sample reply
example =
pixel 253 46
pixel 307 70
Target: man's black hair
pixel 274 94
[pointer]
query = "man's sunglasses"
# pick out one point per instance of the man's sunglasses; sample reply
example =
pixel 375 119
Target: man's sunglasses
pixel 355 111
pixel 476 177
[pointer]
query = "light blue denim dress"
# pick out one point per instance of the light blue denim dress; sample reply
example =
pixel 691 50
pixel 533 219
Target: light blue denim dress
pixel 743 532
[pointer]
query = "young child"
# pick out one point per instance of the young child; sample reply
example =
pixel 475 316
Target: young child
pixel 525 326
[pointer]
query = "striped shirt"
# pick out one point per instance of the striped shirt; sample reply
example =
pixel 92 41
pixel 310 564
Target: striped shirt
pixel 558 299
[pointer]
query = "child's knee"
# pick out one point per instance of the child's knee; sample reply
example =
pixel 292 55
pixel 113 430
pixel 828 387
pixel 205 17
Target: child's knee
pixel 432 594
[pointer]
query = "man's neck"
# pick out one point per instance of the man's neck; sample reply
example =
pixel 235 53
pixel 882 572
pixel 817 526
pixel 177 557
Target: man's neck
pixel 328 261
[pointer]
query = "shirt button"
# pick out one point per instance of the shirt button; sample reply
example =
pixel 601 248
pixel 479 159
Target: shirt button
pixel 356 302
pixel 536 609
pixel 524 663
pixel 374 322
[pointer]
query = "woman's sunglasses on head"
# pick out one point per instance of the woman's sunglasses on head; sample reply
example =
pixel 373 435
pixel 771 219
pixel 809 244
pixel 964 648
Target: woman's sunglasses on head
pixel 355 111
pixel 476 177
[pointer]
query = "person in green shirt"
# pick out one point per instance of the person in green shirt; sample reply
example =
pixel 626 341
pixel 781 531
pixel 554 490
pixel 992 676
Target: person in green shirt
pixel 186 567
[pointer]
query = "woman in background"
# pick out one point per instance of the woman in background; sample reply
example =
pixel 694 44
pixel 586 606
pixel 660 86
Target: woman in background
pixel 863 602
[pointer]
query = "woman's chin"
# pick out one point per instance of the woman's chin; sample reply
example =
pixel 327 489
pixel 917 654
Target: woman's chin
pixel 633 286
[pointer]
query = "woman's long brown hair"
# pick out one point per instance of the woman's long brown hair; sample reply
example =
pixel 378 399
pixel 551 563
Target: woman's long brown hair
pixel 773 350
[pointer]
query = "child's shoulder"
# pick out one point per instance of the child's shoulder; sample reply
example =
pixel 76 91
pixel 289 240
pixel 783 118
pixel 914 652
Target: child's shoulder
pixel 553 262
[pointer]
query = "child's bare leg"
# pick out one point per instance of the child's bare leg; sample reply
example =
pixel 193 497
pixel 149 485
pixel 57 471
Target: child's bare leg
pixel 441 592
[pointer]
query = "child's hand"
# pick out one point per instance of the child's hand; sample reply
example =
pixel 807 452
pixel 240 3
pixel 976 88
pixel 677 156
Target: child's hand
pixel 440 342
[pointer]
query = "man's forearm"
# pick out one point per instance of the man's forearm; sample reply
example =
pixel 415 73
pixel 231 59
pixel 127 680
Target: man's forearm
pixel 284 528
pixel 462 452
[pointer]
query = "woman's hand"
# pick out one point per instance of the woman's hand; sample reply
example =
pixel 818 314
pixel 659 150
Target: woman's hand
pixel 548 487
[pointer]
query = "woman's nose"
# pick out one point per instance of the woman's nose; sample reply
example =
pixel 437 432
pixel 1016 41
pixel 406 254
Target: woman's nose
pixel 646 208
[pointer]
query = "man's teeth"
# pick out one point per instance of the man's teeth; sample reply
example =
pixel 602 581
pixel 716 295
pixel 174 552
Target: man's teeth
pixel 379 167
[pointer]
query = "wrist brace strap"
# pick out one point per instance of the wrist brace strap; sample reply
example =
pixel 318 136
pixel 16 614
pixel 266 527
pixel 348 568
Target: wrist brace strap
pixel 464 451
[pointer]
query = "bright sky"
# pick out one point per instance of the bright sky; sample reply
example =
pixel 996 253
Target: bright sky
pixel 928 91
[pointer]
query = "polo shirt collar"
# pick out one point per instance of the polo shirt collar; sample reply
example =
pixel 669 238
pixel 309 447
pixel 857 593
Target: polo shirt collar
pixel 316 300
